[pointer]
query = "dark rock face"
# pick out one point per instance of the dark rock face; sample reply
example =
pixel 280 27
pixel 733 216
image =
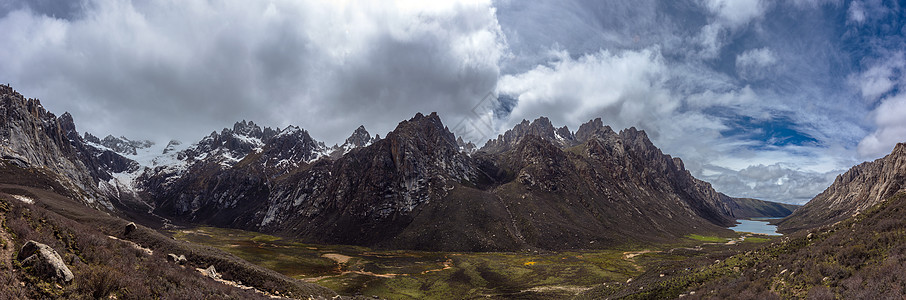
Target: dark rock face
pixel 359 138
pixel 861 187
pixel 42 260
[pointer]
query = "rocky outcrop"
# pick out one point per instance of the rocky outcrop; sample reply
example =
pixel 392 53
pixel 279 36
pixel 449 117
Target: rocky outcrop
pixel 177 259
pixel 43 261
pixel 129 228
pixel 861 187
pixel 540 127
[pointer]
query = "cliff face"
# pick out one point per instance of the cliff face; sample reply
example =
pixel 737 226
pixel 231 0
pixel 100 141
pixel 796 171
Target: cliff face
pixel 861 187
pixel 33 137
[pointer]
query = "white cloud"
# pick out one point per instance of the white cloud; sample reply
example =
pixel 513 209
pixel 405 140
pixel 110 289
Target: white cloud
pixel 775 182
pixel 729 16
pixel 856 12
pixel 884 80
pixel 755 63
pixel 330 65
pixel 890 119
pixel 735 13
pixel 881 78
pixel 711 38
pixel 640 88
pixel 624 88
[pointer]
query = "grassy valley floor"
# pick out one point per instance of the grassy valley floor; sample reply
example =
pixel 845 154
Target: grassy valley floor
pixel 352 270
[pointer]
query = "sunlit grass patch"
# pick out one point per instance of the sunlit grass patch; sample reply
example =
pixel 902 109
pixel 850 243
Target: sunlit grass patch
pixel 756 240
pixel 710 239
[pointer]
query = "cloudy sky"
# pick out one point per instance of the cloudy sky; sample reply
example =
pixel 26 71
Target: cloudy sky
pixel 765 99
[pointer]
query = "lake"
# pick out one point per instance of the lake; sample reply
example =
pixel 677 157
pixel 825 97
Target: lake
pixel 759 226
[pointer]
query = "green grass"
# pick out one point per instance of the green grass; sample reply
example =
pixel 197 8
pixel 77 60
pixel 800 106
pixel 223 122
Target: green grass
pixel 709 239
pixel 756 240
pixel 423 275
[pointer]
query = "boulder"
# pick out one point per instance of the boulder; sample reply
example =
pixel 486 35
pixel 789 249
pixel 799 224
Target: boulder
pixel 180 259
pixel 129 228
pixel 211 272
pixel 43 261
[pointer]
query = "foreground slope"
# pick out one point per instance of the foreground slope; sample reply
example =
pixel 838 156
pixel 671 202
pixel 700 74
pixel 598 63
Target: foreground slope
pixel 861 257
pixel 110 262
pixel 861 187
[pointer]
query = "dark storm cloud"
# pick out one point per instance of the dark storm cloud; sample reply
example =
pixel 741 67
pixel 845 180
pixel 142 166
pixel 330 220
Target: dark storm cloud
pixel 64 9
pixel 165 69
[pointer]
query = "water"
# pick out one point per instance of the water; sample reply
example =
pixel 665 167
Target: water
pixel 759 226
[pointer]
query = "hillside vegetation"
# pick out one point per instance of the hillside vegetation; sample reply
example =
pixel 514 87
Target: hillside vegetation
pixel 863 257
pixel 107 262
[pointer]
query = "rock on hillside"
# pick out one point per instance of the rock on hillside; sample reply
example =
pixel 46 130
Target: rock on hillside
pixel 43 261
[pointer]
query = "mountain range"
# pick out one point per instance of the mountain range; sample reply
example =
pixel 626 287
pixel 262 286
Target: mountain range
pixel 420 187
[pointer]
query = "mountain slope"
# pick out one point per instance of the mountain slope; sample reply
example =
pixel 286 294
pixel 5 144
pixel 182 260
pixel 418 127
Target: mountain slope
pixel 109 262
pixel 418 189
pixel 861 187
pixel 861 257
pixel 35 138
pixel 745 208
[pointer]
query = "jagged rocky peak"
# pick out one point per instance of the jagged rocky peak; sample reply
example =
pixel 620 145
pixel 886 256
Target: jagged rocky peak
pixel 172 146
pixel 250 129
pixel 467 147
pixel 230 145
pixel 593 128
pixel 359 138
pixel 121 145
pixel 540 127
pixel 425 128
pixel 290 148
pixel 633 136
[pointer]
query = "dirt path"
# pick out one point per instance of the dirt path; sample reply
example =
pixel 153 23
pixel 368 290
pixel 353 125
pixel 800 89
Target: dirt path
pixel 132 244
pixel 339 258
pixel 236 284
pixel 630 256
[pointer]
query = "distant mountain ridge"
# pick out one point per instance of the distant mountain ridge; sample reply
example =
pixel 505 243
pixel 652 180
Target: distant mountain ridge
pixel 420 187
pixel 747 208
